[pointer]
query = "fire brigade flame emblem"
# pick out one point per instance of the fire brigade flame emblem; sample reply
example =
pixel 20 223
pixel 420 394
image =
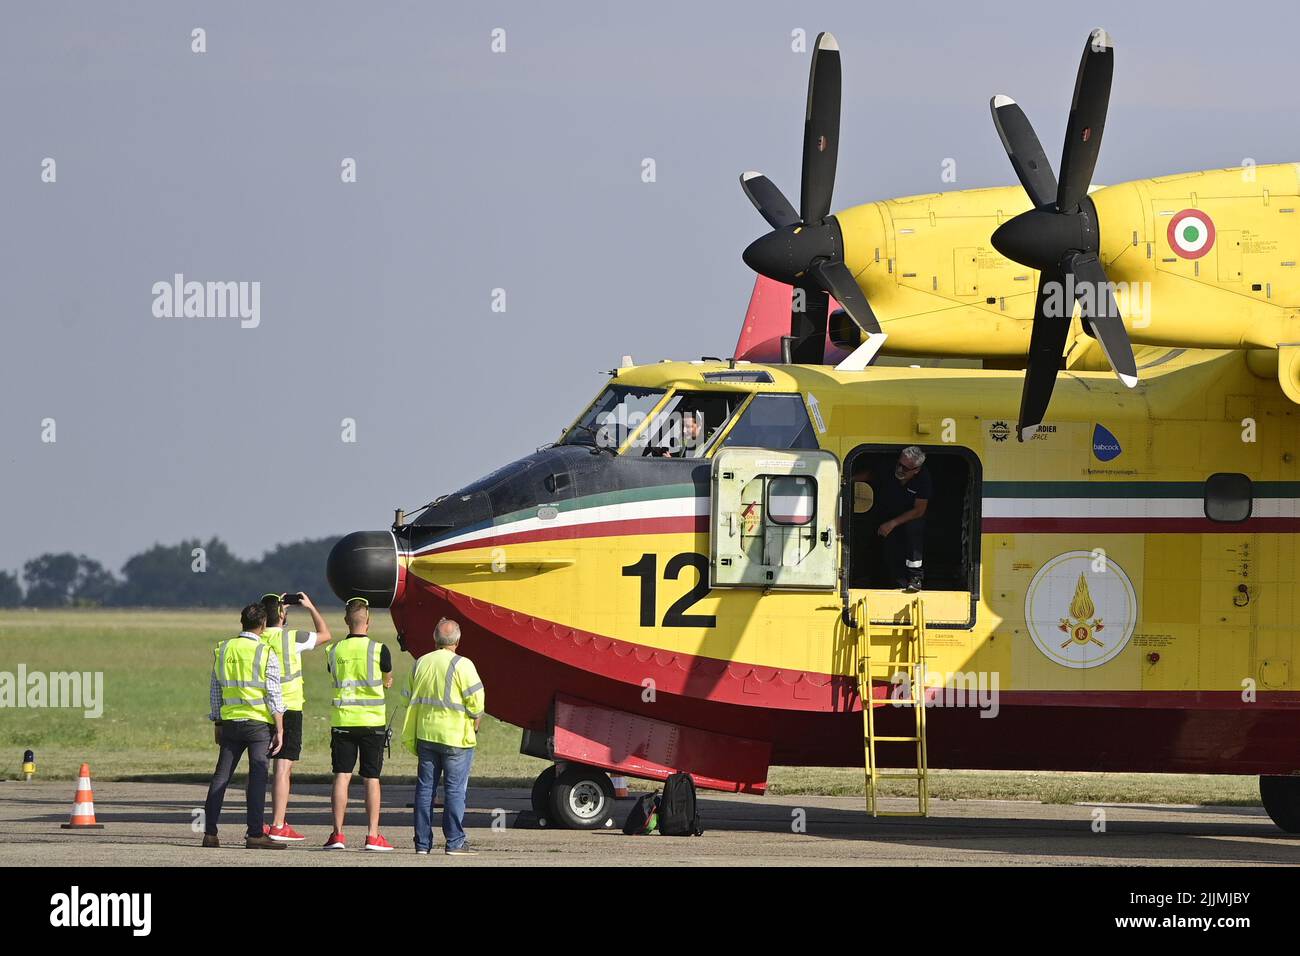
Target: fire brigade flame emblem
pixel 1080 610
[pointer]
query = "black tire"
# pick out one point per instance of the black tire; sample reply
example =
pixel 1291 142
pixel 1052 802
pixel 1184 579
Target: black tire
pixel 542 787
pixel 1281 796
pixel 582 799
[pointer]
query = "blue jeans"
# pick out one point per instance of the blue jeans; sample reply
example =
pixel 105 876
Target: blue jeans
pixel 236 737
pixel 435 760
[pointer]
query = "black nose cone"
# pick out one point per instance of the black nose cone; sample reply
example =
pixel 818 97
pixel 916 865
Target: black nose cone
pixel 786 254
pixel 1041 238
pixel 364 564
pixel 773 255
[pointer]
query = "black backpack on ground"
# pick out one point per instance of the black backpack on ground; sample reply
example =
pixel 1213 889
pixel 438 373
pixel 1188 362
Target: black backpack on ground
pixel 642 818
pixel 678 814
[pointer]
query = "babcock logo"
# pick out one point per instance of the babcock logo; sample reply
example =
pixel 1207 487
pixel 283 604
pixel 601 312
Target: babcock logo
pixel 1104 445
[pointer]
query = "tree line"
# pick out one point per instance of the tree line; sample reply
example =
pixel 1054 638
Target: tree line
pixel 191 573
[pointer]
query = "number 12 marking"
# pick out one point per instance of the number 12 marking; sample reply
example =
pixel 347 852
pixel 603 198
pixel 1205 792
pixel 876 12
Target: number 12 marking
pixel 676 616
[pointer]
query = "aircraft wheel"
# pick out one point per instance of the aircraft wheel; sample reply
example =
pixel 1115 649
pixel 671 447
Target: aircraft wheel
pixel 1281 796
pixel 542 787
pixel 582 799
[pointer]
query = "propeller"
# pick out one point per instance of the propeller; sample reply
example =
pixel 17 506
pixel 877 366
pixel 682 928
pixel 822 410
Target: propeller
pixel 1060 236
pixel 806 248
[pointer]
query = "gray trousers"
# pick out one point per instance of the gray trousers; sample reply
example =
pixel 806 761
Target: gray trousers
pixel 236 737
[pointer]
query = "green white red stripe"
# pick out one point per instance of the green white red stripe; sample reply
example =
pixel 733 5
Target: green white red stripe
pixel 1008 507
pixel 656 510
pixel 1132 507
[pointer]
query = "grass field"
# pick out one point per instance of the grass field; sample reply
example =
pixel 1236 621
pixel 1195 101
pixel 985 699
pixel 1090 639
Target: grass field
pixel 154 723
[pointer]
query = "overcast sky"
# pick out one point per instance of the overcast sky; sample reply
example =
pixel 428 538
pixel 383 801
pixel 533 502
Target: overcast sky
pixel 475 171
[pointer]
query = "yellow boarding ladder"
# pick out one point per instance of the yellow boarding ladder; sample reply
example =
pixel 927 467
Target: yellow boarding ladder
pixel 910 663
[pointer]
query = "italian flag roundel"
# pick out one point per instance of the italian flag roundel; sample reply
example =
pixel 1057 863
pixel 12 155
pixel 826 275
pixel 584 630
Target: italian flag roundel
pixel 1191 234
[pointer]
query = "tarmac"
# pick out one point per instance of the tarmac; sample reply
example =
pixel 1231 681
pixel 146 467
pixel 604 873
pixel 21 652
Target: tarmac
pixel 156 824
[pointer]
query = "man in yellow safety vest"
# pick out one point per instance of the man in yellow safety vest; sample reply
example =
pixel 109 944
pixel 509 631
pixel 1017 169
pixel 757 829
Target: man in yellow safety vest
pixel 247 708
pixel 289 645
pixel 361 668
pixel 442 720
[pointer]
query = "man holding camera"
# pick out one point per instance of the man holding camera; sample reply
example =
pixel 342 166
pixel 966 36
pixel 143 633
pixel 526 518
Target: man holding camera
pixel 289 646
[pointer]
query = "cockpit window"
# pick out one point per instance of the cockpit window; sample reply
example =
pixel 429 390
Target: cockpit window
pixel 779 422
pixel 742 375
pixel 687 425
pixel 615 414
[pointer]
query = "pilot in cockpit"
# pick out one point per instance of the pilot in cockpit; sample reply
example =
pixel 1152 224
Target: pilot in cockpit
pixel 686 442
pixel 692 435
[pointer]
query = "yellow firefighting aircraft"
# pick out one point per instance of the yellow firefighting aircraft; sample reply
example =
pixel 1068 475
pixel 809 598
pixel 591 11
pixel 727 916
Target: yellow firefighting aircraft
pixel 695 578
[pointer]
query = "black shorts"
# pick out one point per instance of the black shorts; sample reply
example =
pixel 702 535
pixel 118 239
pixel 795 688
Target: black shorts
pixel 291 745
pixel 345 742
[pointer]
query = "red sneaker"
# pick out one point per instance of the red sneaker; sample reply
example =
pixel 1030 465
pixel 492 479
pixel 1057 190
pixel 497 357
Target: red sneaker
pixel 377 842
pixel 336 842
pixel 266 829
pixel 285 834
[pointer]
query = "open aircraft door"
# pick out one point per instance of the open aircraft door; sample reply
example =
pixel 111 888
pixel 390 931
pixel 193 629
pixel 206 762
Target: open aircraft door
pixel 773 519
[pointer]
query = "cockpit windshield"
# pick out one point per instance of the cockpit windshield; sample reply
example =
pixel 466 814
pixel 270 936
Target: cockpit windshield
pixel 617 412
pixel 686 426
pixel 682 427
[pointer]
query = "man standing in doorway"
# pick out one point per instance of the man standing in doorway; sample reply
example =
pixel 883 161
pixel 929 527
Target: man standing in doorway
pixel 903 499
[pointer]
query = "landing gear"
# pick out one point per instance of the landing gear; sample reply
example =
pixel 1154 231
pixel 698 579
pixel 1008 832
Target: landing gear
pixel 1281 796
pixel 542 787
pixel 576 798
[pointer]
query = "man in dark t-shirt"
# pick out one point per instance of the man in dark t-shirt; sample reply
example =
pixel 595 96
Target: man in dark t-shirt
pixel 902 499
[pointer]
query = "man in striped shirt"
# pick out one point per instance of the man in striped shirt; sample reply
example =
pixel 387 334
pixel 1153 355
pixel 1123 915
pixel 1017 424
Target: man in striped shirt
pixel 247 708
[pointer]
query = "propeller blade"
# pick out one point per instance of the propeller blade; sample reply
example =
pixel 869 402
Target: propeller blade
pixel 768 200
pixel 1100 311
pixel 821 131
pixel 1087 120
pixel 1046 346
pixel 806 248
pixel 836 278
pixel 1024 150
pixel 808 325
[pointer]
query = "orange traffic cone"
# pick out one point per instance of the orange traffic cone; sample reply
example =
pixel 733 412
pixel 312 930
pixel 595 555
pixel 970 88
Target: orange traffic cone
pixel 83 804
pixel 620 785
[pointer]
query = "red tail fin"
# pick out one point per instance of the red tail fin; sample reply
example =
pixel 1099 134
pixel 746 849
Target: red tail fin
pixel 768 318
